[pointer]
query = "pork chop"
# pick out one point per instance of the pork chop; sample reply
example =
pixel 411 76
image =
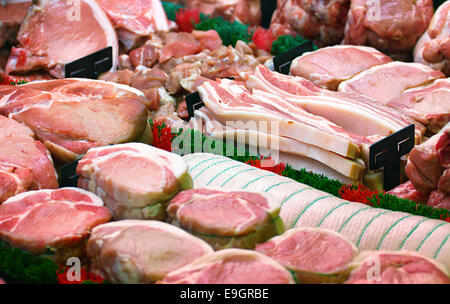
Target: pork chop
pixel 136 251
pixel 135 180
pixel 225 218
pixel 231 266
pixel 56 32
pixel 396 267
pixel 12 14
pixel 386 82
pixel 58 221
pixel 314 255
pixel 25 163
pixel 72 115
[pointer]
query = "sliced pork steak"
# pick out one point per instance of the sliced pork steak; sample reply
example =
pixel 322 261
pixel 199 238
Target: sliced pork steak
pixel 428 104
pixel 25 163
pixel 315 255
pixel 57 32
pixel 329 66
pixel 135 180
pixel 12 14
pixel 231 266
pixel 137 251
pixel 396 267
pixel 72 115
pixel 227 218
pixel 135 19
pixel 59 220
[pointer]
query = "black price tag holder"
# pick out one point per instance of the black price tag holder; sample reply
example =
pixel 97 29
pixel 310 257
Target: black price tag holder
pixel 268 7
pixel 282 62
pixel 69 177
pixel 90 66
pixel 387 152
pixel 193 102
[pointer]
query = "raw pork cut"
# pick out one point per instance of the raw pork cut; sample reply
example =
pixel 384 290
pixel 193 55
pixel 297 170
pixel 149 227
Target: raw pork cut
pixel 244 11
pixel 12 14
pixel 433 48
pixel 72 115
pixel 136 251
pixel 232 101
pixel 430 104
pixel 386 82
pixel 314 255
pixel 427 162
pixel 231 266
pixel 321 20
pixel 25 163
pixel 135 20
pixel 392 26
pixel 396 267
pixel 439 199
pixel 353 112
pixel 135 180
pixel 226 219
pixel 329 66
pixel 57 32
pixel 408 191
pixel 59 221
pixel 206 122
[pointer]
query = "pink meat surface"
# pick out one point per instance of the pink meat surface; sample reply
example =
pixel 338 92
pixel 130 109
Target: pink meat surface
pixel 220 212
pixel 397 268
pixel 433 48
pixel 391 26
pixel 330 66
pixel 134 19
pixel 231 266
pixel 428 104
pixel 132 175
pixel 439 199
pixel 426 162
pixel 55 33
pixel 208 39
pixel 12 14
pixel 179 45
pixel 25 163
pixel 60 218
pixel 408 191
pixel 309 250
pixel 136 251
pixel 388 81
pixel 72 115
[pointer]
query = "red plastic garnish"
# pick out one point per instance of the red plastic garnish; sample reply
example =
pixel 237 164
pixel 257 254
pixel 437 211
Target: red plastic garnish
pixel 263 39
pixel 84 276
pixel 6 80
pixel 267 164
pixel 360 194
pixel 162 136
pixel 186 19
pixel 445 218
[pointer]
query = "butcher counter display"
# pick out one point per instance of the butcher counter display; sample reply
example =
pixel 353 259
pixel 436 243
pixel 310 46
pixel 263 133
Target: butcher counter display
pixel 195 142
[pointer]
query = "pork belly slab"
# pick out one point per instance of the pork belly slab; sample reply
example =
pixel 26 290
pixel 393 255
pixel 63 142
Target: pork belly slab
pixel 56 32
pixel 135 180
pixel 232 101
pixel 72 115
pixel 353 112
pixel 56 220
pixel 226 219
pixel 231 266
pixel 329 66
pixel 137 251
pixel 206 121
pixel 25 163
